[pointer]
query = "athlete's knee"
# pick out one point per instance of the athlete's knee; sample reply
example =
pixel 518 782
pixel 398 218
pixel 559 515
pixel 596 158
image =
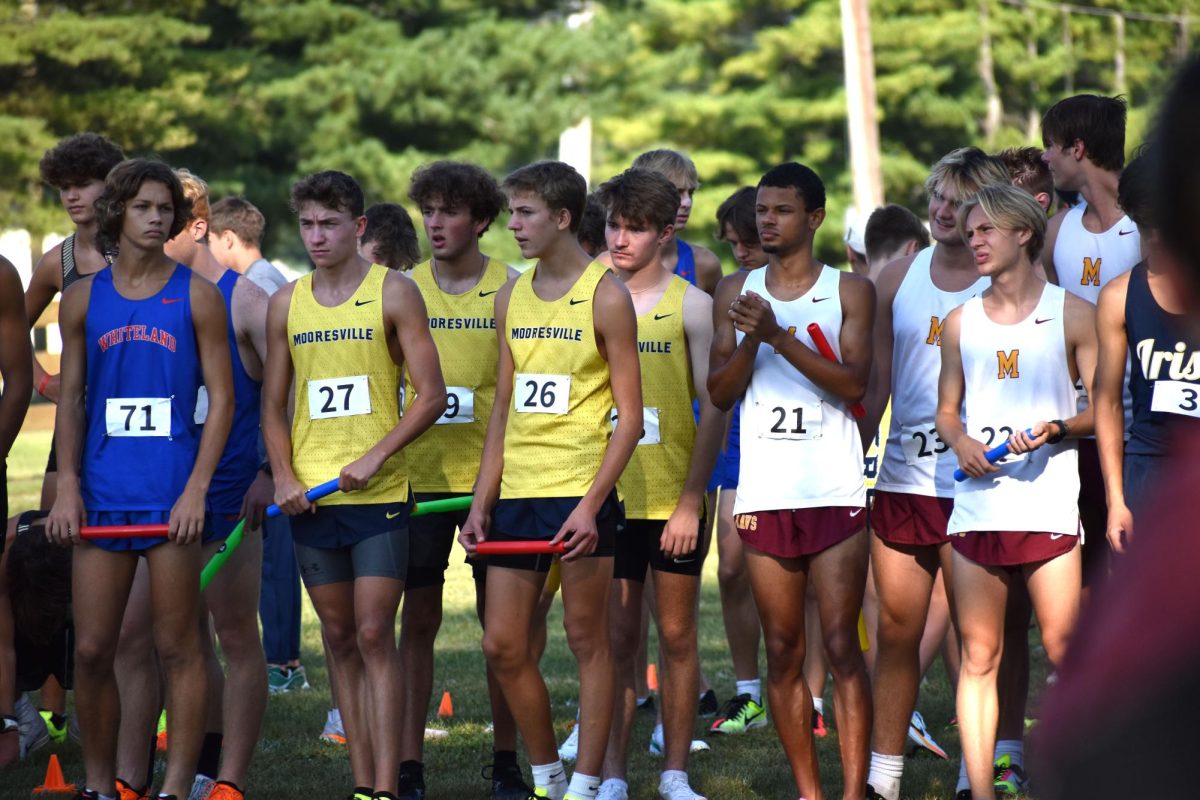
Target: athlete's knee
pixel 785 652
pixel 588 640
pixel 676 639
pixel 94 655
pixel 504 652
pixel 240 640
pixel 980 657
pixel 341 638
pixel 179 650
pixel 898 629
pixel 845 652
pixel 376 636
pixel 731 575
pixel 420 623
pixel 1055 644
pixel 624 640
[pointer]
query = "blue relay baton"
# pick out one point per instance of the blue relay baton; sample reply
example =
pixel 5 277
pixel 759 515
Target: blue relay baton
pixel 995 454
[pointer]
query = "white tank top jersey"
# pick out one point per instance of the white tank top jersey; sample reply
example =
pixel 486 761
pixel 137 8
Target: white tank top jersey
pixel 1085 261
pixel 916 460
pixel 1016 375
pixel 800 445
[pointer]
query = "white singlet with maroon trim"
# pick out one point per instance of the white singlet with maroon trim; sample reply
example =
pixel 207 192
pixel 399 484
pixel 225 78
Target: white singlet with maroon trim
pixel 916 461
pixel 1016 375
pixel 800 445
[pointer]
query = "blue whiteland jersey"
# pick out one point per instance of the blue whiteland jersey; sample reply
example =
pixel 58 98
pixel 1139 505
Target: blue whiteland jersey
pixel 143 373
pixel 239 463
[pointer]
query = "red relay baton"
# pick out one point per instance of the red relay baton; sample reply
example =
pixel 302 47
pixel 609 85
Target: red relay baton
pixel 818 336
pixel 511 548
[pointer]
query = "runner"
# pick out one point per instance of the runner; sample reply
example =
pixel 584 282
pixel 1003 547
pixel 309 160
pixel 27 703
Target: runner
pixel 806 521
pixel 139 339
pixel 343 332
pixel 568 352
pixel 663 486
pixel 235 228
pixel 389 238
pixel 914 490
pixel 1003 358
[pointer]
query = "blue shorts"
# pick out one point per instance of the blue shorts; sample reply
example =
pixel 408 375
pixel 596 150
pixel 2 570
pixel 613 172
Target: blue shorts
pixel 729 461
pixel 218 526
pixel 344 525
pixel 131 544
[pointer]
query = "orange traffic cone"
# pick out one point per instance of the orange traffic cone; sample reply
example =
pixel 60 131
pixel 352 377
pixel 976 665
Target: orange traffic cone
pixel 54 783
pixel 652 678
pixel 446 707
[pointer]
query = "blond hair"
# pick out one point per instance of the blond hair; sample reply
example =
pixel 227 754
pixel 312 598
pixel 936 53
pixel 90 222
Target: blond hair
pixel 196 190
pixel 966 171
pixel 677 167
pixel 1011 209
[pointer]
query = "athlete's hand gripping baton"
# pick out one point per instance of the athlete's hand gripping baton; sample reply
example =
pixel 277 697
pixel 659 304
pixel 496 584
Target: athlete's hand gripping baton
pixel 995 454
pixel 818 336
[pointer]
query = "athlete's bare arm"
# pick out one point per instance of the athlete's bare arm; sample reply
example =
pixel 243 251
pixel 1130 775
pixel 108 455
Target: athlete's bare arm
pixel 752 315
pixel 16 357
pixel 1052 228
pixel 186 523
pixel 879 389
pixel 680 534
pixel 971 453
pixel 67 514
pixel 45 282
pixel 276 427
pixel 491 464
pixel 407 323
pixel 249 311
pixel 1109 404
pixel 616 336
pixel 708 269
pixel 730 365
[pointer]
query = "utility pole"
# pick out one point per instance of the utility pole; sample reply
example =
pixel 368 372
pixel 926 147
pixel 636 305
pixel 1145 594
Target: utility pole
pixel 865 170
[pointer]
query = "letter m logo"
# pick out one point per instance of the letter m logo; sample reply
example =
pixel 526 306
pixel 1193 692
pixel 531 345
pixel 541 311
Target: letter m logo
pixel 935 332
pixel 1091 272
pixel 1006 364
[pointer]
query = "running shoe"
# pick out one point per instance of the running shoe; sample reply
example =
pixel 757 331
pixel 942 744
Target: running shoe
pixel 657 747
pixel 160 742
pixel 708 704
pixel 127 792
pixel 411 786
pixel 570 748
pixel 818 725
pixel 1010 778
pixel 646 703
pixel 613 789
pixel 507 781
pixel 283 679
pixel 872 794
pixel 201 786
pixel 334 732
pixel 58 733
pixel 86 794
pixel 224 790
pixel 918 734
pixel 965 794
pixel 741 714
pixel 676 787
pixel 31 728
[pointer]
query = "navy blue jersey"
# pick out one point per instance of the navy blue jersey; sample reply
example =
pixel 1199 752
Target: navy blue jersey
pixel 239 463
pixel 143 372
pixel 685 263
pixel 1165 376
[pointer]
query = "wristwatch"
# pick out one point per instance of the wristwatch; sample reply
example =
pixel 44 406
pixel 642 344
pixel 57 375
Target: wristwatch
pixel 1063 430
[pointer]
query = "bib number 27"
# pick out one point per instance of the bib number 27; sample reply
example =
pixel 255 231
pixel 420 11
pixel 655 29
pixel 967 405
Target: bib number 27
pixel 338 397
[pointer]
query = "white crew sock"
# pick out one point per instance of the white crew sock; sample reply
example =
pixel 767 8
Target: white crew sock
pixel 1014 748
pixel 819 705
pixel 551 777
pixel 885 775
pixel 584 785
pixel 963 783
pixel 752 688
pixel 615 782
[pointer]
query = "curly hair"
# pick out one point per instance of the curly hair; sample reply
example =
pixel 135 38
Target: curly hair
pixel 459 185
pixel 39 581
pixel 79 159
pixel 330 189
pixel 390 229
pixel 122 184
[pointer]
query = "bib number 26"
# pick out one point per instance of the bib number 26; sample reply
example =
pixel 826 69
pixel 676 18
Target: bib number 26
pixel 539 393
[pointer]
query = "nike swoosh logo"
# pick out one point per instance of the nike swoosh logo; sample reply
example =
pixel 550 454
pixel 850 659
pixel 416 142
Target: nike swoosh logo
pixel 362 302
pixel 819 299
pixel 1040 321
pixel 392 514
pixel 169 300
pixel 577 302
pixel 1126 233
pixel 485 294
pixel 684 560
pixel 657 317
pixel 856 512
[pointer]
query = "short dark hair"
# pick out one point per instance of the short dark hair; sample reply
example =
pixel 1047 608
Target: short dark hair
pixel 556 182
pixel 1139 193
pixel 891 227
pixel 331 189
pixel 1027 169
pixel 122 184
pixel 239 215
pixel 391 229
pixel 459 184
pixel 1095 120
pixel 808 184
pixel 79 159
pixel 642 197
pixel 591 227
pixel 39 581
pixel 738 213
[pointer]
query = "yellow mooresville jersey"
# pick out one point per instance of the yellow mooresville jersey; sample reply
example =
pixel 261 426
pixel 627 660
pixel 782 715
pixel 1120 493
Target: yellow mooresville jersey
pixel 446 457
pixel 558 426
pixel 653 480
pixel 347 389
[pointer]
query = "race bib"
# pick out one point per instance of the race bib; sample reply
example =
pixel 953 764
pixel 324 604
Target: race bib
pixel 538 393
pixel 137 416
pixel 338 397
pixel 994 435
pixel 921 444
pixel 201 414
pixel 1176 397
pixel 460 406
pixel 650 433
pixel 790 421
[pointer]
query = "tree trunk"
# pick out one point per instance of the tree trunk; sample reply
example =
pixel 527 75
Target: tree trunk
pixel 862 121
pixel 987 74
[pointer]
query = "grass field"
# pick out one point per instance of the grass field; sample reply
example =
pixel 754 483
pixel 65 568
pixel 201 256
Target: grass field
pixel 292 763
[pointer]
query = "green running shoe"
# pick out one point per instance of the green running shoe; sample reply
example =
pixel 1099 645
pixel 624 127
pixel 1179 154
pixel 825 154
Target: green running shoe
pixel 740 714
pixel 1010 778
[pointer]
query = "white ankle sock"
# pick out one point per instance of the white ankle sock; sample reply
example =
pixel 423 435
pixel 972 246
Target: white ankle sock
pixel 1014 748
pixel 885 773
pixel 584 785
pixel 963 783
pixel 552 777
pixel 819 705
pixel 615 782
pixel 752 688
